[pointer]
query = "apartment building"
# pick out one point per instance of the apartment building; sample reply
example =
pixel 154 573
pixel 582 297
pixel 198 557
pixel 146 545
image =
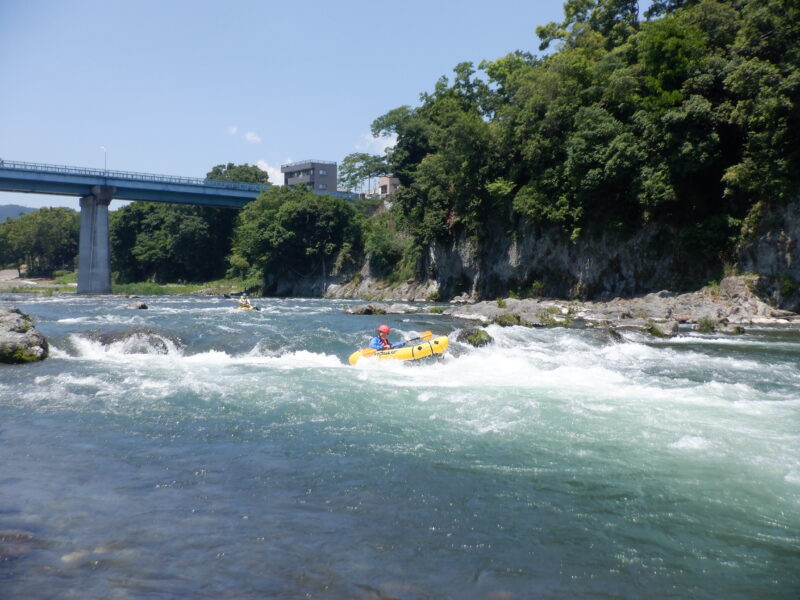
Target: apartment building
pixel 318 175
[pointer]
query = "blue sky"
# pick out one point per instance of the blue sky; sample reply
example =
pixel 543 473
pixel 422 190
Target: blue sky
pixel 176 87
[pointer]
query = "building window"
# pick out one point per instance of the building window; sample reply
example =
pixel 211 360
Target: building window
pixel 323 172
pixel 322 186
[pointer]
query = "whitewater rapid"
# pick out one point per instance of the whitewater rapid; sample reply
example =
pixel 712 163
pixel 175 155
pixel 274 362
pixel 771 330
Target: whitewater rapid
pixel 568 461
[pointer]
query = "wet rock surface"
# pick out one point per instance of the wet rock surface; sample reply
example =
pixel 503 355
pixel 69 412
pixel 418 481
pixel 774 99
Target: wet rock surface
pixel 728 307
pixel 475 336
pixel 20 342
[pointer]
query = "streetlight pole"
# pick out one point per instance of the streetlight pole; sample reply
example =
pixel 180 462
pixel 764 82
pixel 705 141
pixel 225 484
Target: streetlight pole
pixel 105 158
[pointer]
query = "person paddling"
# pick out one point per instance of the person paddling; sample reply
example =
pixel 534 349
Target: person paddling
pixel 381 342
pixel 244 301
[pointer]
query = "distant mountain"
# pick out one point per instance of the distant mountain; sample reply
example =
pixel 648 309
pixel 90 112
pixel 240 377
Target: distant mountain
pixel 13 210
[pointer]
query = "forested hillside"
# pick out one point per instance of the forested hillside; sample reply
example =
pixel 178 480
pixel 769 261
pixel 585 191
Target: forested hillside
pixel 675 133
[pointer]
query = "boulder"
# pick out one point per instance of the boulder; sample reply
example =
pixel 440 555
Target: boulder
pixel 369 309
pixel 137 304
pixel 19 341
pixel 475 336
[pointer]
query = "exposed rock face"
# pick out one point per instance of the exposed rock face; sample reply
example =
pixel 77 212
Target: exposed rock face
pixel 308 285
pixel 543 261
pixel 774 253
pixel 19 341
pixel 364 286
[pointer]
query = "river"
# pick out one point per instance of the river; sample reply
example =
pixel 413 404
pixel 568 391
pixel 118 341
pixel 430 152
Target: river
pixel 245 459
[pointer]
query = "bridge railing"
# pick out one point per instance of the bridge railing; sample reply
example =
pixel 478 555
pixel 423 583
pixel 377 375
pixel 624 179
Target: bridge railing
pixel 105 173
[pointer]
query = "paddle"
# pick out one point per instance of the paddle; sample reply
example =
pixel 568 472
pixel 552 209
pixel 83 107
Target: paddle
pixel 425 335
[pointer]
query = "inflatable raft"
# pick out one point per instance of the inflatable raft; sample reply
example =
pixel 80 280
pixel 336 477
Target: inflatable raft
pixel 415 351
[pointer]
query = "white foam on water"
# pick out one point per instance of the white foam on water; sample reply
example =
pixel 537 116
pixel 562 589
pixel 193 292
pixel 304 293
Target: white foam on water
pixel 691 442
pixel 129 352
pixel 793 477
pixel 122 350
pixel 104 319
pixel 730 341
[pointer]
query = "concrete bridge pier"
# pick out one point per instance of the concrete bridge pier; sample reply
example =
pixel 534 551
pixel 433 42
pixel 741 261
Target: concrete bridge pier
pixel 94 251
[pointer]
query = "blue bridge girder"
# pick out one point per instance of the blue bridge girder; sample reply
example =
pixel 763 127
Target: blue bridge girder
pixel 35 178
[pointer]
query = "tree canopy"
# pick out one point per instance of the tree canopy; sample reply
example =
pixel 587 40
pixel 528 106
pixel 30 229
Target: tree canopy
pixel 689 119
pixel 293 232
pixel 170 242
pixel 244 173
pixel 45 240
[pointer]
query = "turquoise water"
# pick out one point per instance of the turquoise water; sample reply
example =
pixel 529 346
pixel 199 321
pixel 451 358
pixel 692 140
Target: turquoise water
pixel 250 461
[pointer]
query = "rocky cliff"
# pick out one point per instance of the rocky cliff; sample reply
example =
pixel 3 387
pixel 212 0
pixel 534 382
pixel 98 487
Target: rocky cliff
pixel 772 249
pixel 544 261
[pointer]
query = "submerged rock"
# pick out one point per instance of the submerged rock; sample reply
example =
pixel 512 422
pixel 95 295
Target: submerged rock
pixel 139 340
pixel 137 304
pixel 17 543
pixel 19 341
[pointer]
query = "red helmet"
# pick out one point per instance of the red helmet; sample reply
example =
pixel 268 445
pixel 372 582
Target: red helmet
pixel 383 328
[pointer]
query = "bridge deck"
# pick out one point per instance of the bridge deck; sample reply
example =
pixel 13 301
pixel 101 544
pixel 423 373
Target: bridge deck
pixel 76 181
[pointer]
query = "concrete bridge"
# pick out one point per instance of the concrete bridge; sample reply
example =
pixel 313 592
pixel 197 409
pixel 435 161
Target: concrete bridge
pixel 96 188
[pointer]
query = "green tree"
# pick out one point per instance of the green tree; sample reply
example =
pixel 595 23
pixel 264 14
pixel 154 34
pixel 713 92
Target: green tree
pixel 384 244
pixel 169 242
pixel 164 242
pixel 763 81
pixel 614 20
pixel 244 173
pixel 358 167
pixel 288 233
pixel 45 239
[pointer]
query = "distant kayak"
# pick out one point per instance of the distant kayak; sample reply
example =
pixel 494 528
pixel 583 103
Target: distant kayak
pixel 416 351
pixel 247 308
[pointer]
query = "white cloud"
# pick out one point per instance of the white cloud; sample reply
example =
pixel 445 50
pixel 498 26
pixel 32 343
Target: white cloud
pixel 275 175
pixel 375 145
pixel 252 137
pixel 232 129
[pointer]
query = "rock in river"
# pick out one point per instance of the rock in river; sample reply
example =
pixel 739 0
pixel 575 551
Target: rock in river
pixel 19 341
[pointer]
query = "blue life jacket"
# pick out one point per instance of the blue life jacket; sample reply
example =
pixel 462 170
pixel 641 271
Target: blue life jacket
pixel 377 343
